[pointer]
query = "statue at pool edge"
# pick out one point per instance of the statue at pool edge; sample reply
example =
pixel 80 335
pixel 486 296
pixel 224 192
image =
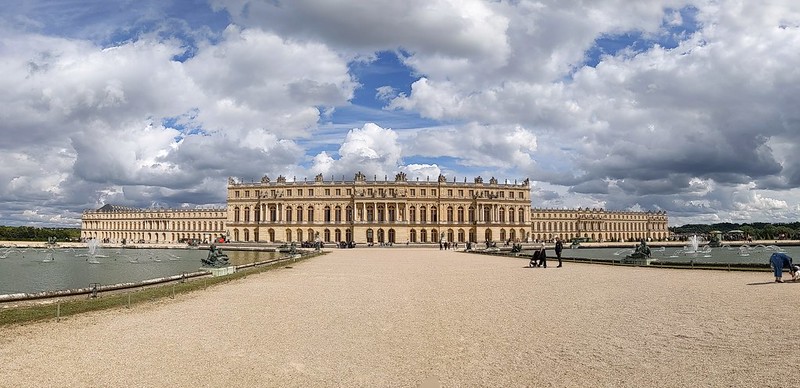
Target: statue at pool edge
pixel 215 258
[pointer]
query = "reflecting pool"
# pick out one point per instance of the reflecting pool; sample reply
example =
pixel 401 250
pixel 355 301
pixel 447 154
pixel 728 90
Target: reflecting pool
pixel 29 270
pixel 746 254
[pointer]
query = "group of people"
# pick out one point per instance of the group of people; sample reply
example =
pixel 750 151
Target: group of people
pixel 539 258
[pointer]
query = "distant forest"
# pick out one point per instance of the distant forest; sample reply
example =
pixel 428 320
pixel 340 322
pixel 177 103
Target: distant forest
pixel 755 231
pixel 29 233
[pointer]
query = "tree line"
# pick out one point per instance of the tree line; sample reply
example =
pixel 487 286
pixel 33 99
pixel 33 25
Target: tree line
pixel 755 231
pixel 29 233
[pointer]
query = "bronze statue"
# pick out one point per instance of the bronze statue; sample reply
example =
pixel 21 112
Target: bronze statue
pixel 215 258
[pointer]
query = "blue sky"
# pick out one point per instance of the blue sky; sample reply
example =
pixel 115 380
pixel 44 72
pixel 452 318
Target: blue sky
pixel 681 106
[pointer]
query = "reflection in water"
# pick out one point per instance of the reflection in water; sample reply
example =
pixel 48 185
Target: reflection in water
pixel 27 270
pixel 704 254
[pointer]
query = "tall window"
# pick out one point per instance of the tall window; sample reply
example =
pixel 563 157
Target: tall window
pixel 246 214
pixel 236 214
pixel 311 214
pixel 299 218
pixel 327 215
pixel 450 215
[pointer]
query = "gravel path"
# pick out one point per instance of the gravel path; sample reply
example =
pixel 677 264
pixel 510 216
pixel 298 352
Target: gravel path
pixel 410 317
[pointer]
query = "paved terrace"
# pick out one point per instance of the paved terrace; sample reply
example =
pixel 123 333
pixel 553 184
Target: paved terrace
pixel 410 317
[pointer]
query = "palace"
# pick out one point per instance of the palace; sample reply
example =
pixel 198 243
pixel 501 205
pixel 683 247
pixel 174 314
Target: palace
pixel 598 225
pixel 397 211
pixel 117 223
pixel 363 211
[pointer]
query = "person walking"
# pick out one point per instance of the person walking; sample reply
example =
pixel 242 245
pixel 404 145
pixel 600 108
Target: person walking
pixel 778 261
pixel 559 248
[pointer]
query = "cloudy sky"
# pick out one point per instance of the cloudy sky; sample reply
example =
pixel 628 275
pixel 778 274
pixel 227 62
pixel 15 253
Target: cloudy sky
pixel 692 107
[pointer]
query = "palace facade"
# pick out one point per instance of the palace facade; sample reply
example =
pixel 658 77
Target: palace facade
pixel 117 223
pixel 373 212
pixel 598 225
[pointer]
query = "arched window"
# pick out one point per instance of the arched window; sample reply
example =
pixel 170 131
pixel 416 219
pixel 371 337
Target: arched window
pixel 246 217
pixel 423 236
pixel 461 236
pixel 412 214
pixel 521 218
pixel 380 236
pixel 337 234
pixel 300 235
pixel 391 236
pixel 501 215
pixel 338 216
pixel 247 235
pixel 289 235
pixel 289 212
pixel 502 235
pixel 271 233
pixel 488 235
pixel 349 214
pixel 369 236
pixel 311 214
pixel 299 216
pixel 450 214
pixel 471 214
pixel 434 214
pixel 327 215
pixel 235 215
pixel 327 235
pixel 423 215
pixel 487 214
pixel 348 235
pixel 412 235
pixel 434 235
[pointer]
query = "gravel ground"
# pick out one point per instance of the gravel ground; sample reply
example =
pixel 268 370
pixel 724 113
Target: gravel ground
pixel 410 317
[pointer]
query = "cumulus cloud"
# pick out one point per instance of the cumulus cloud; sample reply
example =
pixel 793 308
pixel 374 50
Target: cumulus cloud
pixel 691 108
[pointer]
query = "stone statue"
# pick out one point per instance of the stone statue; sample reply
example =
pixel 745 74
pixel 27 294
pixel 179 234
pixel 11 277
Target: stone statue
pixel 215 258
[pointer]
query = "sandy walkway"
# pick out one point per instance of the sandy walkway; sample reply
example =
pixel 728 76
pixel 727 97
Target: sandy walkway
pixel 395 317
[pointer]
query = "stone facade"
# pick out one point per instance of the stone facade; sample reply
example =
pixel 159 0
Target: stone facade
pixel 376 211
pixel 116 223
pixel 598 225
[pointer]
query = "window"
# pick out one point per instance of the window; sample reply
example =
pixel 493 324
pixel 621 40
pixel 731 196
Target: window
pixel 236 194
pixel 310 192
pixel 449 192
pixel 247 195
pixel 289 192
pixel 433 193
pixel 511 194
pixel 274 194
pixel 310 214
pixel 413 192
pixel 327 193
pixel 502 195
pixel 258 193
pixel 338 192
pixel 422 192
pixel 349 192
pixel 460 193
